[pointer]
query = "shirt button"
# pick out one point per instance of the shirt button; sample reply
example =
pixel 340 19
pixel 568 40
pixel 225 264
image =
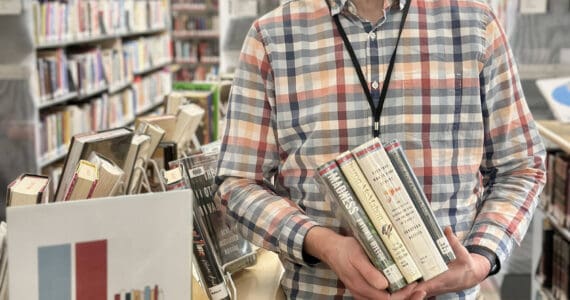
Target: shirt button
pixel 375 85
pixel 372 35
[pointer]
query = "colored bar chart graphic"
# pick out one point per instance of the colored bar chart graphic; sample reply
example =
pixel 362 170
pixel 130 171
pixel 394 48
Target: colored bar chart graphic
pixel 87 261
pixel 146 293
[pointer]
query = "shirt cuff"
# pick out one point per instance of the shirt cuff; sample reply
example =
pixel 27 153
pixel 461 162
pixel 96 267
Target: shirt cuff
pixel 291 239
pixel 493 238
pixel 488 254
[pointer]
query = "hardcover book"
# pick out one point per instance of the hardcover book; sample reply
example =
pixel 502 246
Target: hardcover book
pixel 110 181
pixel 28 189
pixel 83 181
pixel 113 144
pixel 378 217
pixel 385 182
pixel 360 224
pixel 234 252
pixel 415 191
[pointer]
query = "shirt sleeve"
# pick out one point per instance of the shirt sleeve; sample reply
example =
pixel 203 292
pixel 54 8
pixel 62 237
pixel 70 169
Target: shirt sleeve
pixel 512 167
pixel 250 157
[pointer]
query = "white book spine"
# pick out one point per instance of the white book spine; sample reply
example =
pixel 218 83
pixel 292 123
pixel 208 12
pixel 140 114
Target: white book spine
pixel 376 166
pixel 377 215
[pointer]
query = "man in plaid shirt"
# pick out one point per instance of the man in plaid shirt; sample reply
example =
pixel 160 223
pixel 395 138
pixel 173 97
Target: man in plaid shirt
pixel 454 102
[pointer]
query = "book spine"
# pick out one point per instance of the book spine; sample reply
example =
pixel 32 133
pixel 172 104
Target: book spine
pixel 377 215
pixel 207 264
pixel 360 225
pixel 376 166
pixel 415 191
pixel 70 187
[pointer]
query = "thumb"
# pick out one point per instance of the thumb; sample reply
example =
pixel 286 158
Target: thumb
pixel 454 242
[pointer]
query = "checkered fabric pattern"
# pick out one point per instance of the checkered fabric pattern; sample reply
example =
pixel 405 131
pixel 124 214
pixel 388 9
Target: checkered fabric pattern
pixel 454 103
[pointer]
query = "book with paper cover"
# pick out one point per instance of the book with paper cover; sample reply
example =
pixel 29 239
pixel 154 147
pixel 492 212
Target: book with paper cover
pixel 135 160
pixel 166 122
pixel 234 252
pixel 376 165
pixel 113 144
pixel 378 217
pixel 360 224
pixel 110 177
pixel 419 199
pixel 188 120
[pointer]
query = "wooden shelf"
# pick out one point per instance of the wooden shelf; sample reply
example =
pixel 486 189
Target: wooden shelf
pixel 557 132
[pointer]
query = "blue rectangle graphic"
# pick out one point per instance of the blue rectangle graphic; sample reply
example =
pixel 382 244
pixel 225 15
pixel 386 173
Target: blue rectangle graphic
pixel 54 272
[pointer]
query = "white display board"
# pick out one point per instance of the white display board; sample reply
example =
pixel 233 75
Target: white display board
pixel 138 244
pixel 556 91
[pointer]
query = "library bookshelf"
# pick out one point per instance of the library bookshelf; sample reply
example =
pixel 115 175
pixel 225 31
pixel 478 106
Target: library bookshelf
pixel 196 35
pixel 79 66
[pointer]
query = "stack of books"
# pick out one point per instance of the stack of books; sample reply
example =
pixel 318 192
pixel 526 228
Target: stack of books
pixel 377 192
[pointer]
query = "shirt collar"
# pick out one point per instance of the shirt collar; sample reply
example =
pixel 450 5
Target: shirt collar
pixel 338 5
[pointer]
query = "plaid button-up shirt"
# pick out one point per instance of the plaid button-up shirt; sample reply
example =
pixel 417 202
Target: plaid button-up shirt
pixel 454 103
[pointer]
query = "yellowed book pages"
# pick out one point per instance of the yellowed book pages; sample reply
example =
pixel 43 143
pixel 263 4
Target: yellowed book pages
pixel 83 181
pixel 375 211
pixel 27 189
pixel 110 176
pixel 166 122
pixel 155 132
pixel 187 121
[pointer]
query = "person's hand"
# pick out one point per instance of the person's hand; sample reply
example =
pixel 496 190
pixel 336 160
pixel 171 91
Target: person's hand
pixel 466 271
pixel 347 259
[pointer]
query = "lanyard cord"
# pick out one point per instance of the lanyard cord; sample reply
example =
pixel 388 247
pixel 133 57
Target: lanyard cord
pixel 377 110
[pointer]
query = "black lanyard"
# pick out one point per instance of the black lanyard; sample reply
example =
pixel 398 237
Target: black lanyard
pixel 378 109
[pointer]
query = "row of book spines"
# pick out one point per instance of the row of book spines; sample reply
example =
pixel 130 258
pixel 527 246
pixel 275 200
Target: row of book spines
pixel 60 21
pixel 57 127
pixel 183 22
pixel 556 195
pixel 554 263
pixel 387 185
pixel 377 215
pixel 188 50
pixel 361 226
pixel 199 72
pixel 93 69
pixel 429 269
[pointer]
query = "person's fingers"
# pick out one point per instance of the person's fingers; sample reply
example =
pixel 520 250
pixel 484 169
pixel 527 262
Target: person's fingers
pixel 456 246
pixel 362 290
pixel 418 295
pixel 374 277
pixel 404 293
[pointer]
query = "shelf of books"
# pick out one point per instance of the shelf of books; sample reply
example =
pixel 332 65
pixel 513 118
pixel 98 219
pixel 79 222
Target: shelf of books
pixel 554 263
pixel 99 64
pixel 196 35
